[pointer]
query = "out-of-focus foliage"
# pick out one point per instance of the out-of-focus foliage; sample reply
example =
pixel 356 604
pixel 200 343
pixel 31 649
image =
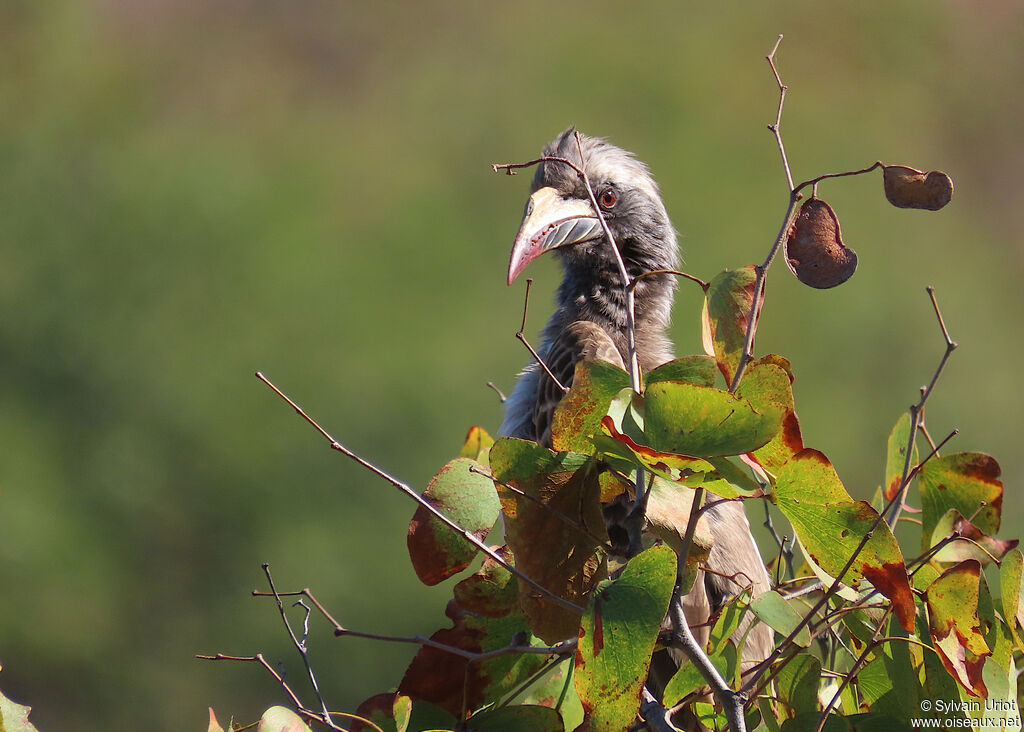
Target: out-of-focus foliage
pixel 191 191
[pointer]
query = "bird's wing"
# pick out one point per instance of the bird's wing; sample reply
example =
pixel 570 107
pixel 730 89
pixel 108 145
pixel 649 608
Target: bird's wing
pixel 579 341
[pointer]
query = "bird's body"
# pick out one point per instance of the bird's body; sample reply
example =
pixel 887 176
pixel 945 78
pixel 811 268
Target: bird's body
pixel 590 322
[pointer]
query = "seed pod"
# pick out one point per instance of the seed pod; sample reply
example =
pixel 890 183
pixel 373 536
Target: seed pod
pixel 814 248
pixel 909 188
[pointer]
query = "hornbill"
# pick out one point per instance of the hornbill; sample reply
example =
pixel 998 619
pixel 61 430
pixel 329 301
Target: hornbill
pixel 590 322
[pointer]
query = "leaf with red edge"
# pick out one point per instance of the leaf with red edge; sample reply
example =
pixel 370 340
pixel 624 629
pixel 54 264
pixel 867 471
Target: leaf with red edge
pixel 448 680
pixel 476 444
pixel 578 415
pixel 389 712
pixel 727 303
pixel 701 421
pixel 831 526
pixel 617 638
pixel 955 627
pixel 966 481
pixel 556 534
pixel 896 455
pixel 970 542
pixel 469 499
pixel 214 725
pixel 768 385
pixel 716 475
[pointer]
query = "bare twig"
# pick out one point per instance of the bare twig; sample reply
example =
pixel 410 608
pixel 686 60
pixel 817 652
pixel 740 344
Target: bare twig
pixel 522 339
pixel 499 392
pixel 468 536
pixel 300 646
pixel 262 661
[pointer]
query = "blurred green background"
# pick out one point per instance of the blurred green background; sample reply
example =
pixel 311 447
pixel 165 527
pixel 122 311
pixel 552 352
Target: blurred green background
pixel 192 191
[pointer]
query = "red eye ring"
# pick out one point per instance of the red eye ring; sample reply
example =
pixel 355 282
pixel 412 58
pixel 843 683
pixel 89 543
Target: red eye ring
pixel 608 199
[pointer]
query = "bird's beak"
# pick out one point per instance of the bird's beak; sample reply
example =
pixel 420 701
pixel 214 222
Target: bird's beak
pixel 550 222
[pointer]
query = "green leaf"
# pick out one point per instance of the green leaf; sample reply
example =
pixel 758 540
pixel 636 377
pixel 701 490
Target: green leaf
pixel 617 637
pixel 768 386
pixel 557 690
pixel 578 415
pixel 727 304
pixel 955 627
pixel 390 712
pixel 1010 572
pixel 781 615
pixel 491 591
pixel 889 683
pixel 797 684
pixel 520 718
pixel 966 481
pixel 830 526
pixel 556 535
pixel 896 455
pixel 701 421
pixel 466 497
pixel 688 679
pixel 701 370
pixel 281 719
pixel 727 622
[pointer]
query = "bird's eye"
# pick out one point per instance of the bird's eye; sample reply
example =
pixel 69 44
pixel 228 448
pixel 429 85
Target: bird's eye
pixel 608 199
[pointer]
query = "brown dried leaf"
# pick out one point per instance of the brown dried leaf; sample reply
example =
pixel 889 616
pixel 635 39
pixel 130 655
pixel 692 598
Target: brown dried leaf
pixel 909 188
pixel 815 251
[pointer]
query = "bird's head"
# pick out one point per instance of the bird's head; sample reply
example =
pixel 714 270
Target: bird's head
pixel 560 215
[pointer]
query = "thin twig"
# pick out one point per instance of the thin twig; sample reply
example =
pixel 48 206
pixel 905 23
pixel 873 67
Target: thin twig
pixel 852 672
pixel 468 536
pixel 685 275
pixel 522 339
pixel 499 392
pixel 300 646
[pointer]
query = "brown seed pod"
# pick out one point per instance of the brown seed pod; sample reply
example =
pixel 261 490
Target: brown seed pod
pixel 909 188
pixel 814 248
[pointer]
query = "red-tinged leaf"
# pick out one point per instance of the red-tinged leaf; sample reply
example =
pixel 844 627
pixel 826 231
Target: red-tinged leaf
pixel 955 627
pixel 491 591
pixel 578 415
pixel 768 385
pixel 565 558
pixel 727 304
pixel 448 680
pixel 830 526
pixel 701 421
pixel 388 712
pixel 281 719
pixel 1010 573
pixel 517 718
pixel 966 481
pixel 214 725
pixel 716 475
pixel 469 499
pixel 476 444
pixel 701 370
pixel 970 541
pixel 617 637
pixel 896 456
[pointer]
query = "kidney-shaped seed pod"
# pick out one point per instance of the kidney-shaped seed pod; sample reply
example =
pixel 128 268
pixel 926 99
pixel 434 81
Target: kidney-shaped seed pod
pixel 814 248
pixel 909 188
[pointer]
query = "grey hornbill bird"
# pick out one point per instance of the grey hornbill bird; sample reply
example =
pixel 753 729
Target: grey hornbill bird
pixel 590 322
